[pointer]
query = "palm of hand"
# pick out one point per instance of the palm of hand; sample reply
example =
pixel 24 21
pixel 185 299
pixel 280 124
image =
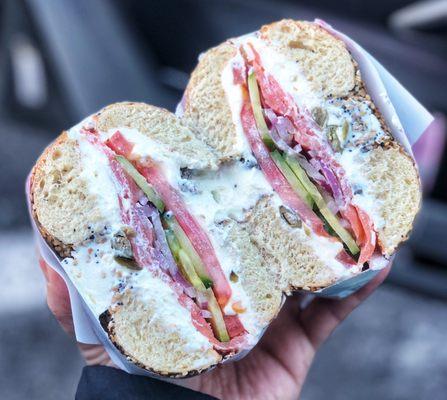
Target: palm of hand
pixel 278 365
pixel 275 369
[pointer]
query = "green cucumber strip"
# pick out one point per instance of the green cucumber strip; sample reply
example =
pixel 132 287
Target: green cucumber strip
pixel 255 101
pixel 291 178
pixel 217 320
pixel 186 245
pixel 327 214
pixel 141 181
pixel 173 244
pixel 187 269
pixel 344 235
pixel 207 281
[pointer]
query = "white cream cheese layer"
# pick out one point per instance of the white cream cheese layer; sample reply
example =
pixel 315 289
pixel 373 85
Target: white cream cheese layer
pixel 98 277
pixel 98 176
pixel 287 73
pixel 327 251
pixel 364 129
pixel 231 262
pixel 354 163
pixel 96 273
pixel 162 299
pixel 234 97
pixel 215 198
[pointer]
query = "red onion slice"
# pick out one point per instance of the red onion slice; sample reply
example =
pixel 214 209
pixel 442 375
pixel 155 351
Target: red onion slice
pixel 144 209
pixel 143 200
pixel 270 115
pixel 190 292
pixel 282 125
pixel 166 259
pixel 297 148
pixel 202 300
pixel 332 205
pixel 205 314
pixel 332 180
pixel 280 143
pixel 285 129
pixel 310 169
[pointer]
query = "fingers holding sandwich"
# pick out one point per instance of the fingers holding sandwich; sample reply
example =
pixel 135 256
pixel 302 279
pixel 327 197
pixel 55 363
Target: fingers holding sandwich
pixel 322 315
pixel 58 299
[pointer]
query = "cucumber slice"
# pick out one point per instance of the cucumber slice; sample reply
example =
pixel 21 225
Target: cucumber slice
pixel 327 214
pixel 255 101
pixel 187 269
pixel 186 245
pixel 173 244
pixel 217 320
pixel 141 181
pixel 180 247
pixel 291 178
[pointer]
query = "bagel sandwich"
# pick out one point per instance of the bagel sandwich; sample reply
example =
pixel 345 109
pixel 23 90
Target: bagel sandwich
pixel 183 233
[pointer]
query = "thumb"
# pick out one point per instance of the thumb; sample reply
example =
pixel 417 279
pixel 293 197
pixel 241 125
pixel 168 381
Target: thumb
pixel 323 315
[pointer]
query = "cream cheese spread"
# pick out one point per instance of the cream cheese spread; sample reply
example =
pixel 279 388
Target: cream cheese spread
pixel 364 129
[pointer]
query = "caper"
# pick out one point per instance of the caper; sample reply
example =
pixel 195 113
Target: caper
pixel 186 173
pixel 216 195
pixel 121 244
pixel 233 277
pixel 125 262
pixel 123 249
pixel 290 217
pixel 332 136
pixel 345 130
pixel 320 116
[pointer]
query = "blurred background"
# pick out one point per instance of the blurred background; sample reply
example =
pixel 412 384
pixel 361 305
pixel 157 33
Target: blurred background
pixel 63 59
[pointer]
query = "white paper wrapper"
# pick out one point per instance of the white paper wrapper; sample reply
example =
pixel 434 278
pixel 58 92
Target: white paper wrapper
pixel 407 118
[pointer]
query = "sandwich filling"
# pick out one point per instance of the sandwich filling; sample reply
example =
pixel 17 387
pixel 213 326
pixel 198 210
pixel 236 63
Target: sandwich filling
pixel 155 231
pixel 307 146
pixel 216 198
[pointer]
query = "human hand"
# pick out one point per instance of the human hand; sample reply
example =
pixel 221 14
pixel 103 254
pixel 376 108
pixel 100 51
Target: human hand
pixel 275 369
